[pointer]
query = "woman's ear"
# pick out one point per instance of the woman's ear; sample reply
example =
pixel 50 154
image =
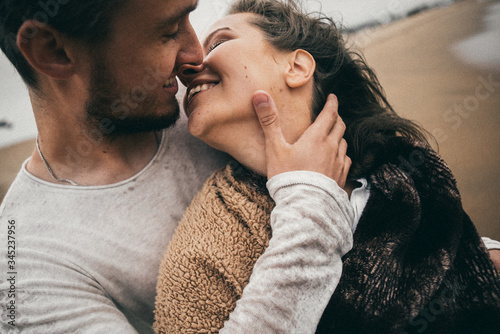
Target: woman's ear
pixel 300 69
pixel 44 48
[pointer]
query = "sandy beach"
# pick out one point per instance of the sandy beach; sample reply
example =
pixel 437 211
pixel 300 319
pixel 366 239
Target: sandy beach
pixel 425 81
pixel 458 103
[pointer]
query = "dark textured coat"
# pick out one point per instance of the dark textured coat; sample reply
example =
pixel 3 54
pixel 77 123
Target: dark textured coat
pixel 417 265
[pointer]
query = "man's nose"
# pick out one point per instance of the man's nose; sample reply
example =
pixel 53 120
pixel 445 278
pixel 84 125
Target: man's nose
pixel 188 72
pixel 190 55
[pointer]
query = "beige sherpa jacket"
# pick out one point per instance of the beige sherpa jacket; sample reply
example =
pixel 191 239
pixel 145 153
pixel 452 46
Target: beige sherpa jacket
pixel 210 259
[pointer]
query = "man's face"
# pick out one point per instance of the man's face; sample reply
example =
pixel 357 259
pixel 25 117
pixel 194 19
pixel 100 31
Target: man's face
pixel 133 83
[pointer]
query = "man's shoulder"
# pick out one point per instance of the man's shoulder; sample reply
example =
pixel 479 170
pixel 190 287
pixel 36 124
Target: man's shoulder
pixel 18 189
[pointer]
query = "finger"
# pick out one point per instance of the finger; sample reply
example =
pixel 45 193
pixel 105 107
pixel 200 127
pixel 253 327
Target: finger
pixel 341 156
pixel 328 116
pixel 343 163
pixel 266 111
pixel 345 171
pixel 342 149
pixel 338 130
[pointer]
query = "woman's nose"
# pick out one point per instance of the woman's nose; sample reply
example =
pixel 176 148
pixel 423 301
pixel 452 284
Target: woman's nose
pixel 188 72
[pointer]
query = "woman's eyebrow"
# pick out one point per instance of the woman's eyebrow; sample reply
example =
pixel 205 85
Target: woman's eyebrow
pixel 209 37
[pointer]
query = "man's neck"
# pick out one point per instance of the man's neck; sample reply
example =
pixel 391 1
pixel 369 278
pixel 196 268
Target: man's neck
pixel 88 161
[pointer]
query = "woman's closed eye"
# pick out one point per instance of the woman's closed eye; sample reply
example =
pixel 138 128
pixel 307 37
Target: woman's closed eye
pixel 215 44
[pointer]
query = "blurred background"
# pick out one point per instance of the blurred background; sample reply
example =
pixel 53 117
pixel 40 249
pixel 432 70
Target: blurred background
pixel 438 61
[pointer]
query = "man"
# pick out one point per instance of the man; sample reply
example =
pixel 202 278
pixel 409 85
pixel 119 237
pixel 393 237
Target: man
pixel 86 221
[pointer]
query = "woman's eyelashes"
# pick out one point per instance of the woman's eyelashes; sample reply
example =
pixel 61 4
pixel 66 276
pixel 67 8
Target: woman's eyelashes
pixel 215 44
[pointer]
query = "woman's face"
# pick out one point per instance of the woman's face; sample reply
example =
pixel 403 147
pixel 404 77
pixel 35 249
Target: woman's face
pixel 238 61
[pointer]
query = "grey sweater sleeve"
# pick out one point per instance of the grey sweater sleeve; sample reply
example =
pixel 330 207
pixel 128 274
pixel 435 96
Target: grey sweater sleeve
pixel 294 279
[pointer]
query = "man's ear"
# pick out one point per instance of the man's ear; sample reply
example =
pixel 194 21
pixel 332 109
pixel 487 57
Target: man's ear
pixel 44 48
pixel 300 69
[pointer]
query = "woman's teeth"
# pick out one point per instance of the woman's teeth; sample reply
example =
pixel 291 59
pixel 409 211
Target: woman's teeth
pixel 170 82
pixel 200 88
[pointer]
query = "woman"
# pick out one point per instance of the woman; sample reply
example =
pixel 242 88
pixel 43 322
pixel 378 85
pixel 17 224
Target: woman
pixel 417 263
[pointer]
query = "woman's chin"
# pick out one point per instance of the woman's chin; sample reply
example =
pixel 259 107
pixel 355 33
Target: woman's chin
pixel 196 127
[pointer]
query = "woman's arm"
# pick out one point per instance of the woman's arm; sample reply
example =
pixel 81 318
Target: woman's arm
pixel 294 279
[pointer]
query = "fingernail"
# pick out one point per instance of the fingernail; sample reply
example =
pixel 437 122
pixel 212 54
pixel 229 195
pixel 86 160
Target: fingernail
pixel 261 101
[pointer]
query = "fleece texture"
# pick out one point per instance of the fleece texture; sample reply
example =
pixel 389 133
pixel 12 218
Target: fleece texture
pixel 213 267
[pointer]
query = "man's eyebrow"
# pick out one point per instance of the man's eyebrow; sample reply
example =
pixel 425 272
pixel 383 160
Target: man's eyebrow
pixel 209 37
pixel 172 19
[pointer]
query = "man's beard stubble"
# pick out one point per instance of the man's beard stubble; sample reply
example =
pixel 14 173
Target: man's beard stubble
pixel 108 111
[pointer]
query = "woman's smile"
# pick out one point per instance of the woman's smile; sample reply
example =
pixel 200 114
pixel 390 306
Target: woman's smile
pixel 195 88
pixel 198 89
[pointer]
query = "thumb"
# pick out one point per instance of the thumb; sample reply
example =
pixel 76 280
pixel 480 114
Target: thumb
pixel 266 111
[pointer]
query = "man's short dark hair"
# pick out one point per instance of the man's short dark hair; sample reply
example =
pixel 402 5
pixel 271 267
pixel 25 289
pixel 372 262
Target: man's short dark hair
pixel 85 20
